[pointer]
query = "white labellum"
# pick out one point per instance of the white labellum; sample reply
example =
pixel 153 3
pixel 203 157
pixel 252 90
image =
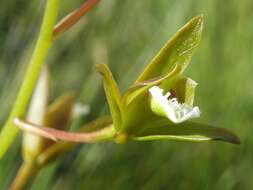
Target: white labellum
pixel 164 106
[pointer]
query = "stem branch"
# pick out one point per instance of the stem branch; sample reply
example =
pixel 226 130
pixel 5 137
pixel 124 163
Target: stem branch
pixel 54 134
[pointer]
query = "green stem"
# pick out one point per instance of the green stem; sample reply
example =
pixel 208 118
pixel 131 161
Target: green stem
pixel 27 171
pixel 43 44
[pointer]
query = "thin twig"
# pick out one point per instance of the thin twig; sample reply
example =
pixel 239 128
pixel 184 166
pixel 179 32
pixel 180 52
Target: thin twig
pixel 73 17
pixel 54 134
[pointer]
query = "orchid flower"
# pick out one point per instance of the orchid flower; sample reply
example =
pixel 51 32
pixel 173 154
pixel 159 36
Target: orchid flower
pixel 159 105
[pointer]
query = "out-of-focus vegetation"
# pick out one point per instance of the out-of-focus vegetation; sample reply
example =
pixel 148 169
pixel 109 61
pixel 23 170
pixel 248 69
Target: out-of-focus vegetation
pixel 125 35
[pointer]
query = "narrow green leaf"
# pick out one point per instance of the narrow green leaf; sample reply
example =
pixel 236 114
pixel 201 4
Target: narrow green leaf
pixel 177 50
pixel 188 131
pixel 112 94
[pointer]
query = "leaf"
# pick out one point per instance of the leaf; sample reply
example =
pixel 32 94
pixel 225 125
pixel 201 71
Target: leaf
pixel 177 50
pixel 140 87
pixel 112 94
pixel 188 131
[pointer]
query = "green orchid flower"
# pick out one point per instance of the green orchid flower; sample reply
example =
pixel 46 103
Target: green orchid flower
pixel 144 112
pixel 158 106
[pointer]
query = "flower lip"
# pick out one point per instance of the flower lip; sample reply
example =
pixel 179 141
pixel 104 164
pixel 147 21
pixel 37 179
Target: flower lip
pixel 168 107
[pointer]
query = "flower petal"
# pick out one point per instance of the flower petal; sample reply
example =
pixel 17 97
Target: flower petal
pixel 112 94
pixel 138 88
pixel 177 50
pixel 171 108
pixel 188 131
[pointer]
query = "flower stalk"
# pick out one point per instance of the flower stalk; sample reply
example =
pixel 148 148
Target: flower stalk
pixel 103 134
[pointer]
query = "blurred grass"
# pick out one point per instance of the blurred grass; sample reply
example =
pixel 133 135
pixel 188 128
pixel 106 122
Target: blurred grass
pixel 125 35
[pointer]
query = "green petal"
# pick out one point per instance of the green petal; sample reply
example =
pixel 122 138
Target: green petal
pixel 184 89
pixel 188 131
pixel 140 87
pixel 112 94
pixel 136 101
pixel 177 50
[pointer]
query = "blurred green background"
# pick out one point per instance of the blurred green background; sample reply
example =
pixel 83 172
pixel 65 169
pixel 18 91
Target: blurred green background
pixel 126 35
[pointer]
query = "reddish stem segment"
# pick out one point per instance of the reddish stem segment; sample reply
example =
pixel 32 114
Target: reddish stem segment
pixel 54 134
pixel 73 17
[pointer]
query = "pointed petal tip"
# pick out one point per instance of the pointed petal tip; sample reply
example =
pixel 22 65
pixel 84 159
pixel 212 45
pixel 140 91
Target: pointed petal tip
pixel 199 18
pixel 198 22
pixel 100 67
pixel 103 69
pixel 231 138
pixel 235 140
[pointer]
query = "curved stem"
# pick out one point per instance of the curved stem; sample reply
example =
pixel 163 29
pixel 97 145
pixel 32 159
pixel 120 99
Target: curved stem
pixel 54 134
pixel 53 151
pixel 73 17
pixel 43 44
pixel 25 173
